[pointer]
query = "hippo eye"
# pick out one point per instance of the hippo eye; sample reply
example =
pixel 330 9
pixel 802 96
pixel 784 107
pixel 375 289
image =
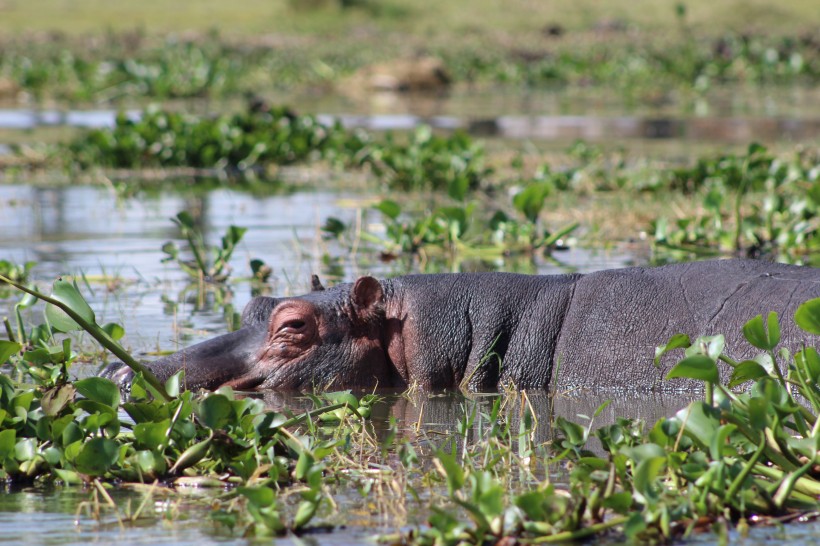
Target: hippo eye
pixel 294 325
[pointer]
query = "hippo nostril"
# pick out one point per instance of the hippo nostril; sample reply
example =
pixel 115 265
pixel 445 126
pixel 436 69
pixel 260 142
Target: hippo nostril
pixel 118 372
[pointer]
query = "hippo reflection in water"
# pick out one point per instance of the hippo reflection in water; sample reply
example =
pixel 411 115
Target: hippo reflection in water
pixel 480 330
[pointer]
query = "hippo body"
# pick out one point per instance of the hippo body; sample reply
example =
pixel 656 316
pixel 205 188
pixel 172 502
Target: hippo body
pixel 482 330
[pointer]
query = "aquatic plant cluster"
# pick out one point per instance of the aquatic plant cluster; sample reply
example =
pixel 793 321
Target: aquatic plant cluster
pixel 132 65
pixel 239 143
pixel 728 461
pixel 751 204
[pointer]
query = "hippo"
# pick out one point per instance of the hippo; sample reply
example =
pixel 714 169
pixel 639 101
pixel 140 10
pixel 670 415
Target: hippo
pixel 481 331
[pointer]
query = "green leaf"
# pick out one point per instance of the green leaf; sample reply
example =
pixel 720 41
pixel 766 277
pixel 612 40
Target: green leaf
pixel 184 219
pixel 193 454
pixel 677 341
pixel 646 473
pixel 759 413
pixel 114 330
pixel 807 316
pixel 620 502
pixel 152 435
pixel 258 496
pixel 303 465
pixel 173 383
pixel 719 441
pixel 809 359
pixel 7 349
pixel 69 476
pixel 700 420
pixel 305 512
pixel 25 449
pixel 389 208
pixel 453 472
pixel 530 200
pixel 342 397
pixel 68 294
pixel 8 438
pixel 97 456
pixel 697 367
pixel 748 370
pixel 774 329
pixel 215 411
pixel 755 334
pixel 99 390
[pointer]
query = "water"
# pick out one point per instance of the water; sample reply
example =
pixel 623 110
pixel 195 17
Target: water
pixel 115 243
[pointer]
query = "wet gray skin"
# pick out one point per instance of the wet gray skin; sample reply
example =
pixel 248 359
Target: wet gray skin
pixel 483 330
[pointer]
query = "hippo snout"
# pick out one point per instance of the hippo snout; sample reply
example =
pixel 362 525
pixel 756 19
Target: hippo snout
pixel 119 373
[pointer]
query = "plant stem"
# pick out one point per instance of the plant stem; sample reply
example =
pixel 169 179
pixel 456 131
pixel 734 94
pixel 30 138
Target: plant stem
pixel 100 335
pixel 577 534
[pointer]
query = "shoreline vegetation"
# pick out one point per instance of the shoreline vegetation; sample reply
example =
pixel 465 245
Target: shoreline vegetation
pixel 649 54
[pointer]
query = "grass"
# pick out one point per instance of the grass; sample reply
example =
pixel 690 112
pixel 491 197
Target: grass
pixel 516 19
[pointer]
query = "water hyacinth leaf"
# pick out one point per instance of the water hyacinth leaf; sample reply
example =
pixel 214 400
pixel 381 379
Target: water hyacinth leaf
pixel 534 504
pixel 711 346
pixel 99 390
pixel 258 496
pixel 172 385
pixel 748 370
pixel 620 502
pixel 333 227
pixel 530 200
pixel 25 449
pixel 97 456
pixel 7 349
pixel 152 435
pixel 389 208
pixel 698 367
pixel 233 236
pixel 69 477
pixel 114 330
pixel 678 341
pixel 303 465
pixel 453 472
pixel 193 454
pixel 8 438
pixel 645 452
pixel 342 397
pixel 68 294
pixel 718 443
pixel 55 399
pixel 574 433
pixel 646 473
pixel 700 420
pixel 755 333
pixel 759 413
pixel 809 360
pixel 807 316
pixel 147 461
pixel 305 512
pixel 458 187
pixel 215 411
pixel 185 220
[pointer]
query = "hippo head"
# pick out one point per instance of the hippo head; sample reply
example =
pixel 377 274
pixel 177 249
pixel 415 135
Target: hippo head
pixel 328 339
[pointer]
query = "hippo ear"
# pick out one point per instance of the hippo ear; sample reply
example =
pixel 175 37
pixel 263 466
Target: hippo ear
pixel 316 284
pixel 367 297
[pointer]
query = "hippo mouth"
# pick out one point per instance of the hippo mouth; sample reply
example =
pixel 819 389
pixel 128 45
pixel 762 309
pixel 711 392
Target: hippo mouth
pixel 228 360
